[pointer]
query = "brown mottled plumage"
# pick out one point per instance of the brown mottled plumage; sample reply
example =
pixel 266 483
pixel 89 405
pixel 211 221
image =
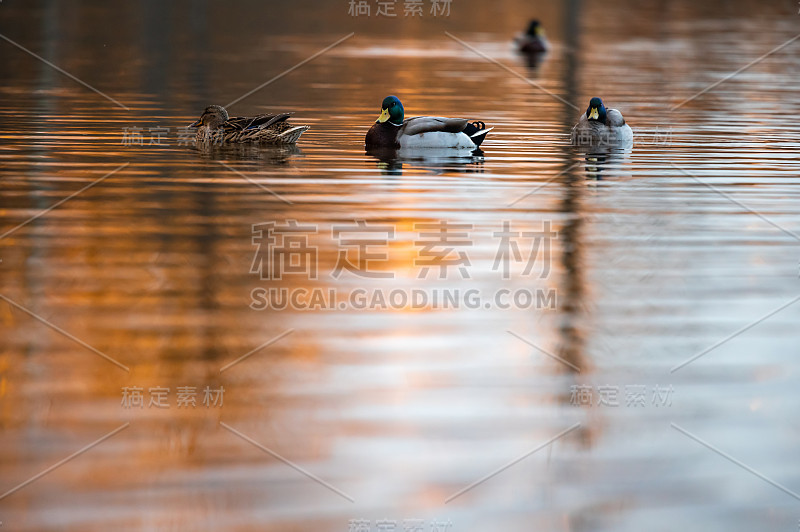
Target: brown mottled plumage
pixel 214 126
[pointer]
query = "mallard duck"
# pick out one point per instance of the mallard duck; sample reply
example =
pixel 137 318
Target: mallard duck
pixel 599 125
pixel 532 41
pixel 392 131
pixel 214 125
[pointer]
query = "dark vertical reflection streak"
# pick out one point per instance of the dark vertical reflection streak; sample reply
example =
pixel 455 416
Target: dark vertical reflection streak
pixel 156 43
pixel 198 51
pixel 572 291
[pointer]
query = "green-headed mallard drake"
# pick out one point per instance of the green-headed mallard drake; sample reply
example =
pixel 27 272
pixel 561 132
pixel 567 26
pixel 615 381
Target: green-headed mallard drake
pixel 392 131
pixel 599 125
pixel 214 125
pixel 533 41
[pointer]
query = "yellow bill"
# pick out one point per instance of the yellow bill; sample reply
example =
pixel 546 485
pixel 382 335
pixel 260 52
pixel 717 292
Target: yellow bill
pixel 384 116
pixel 593 114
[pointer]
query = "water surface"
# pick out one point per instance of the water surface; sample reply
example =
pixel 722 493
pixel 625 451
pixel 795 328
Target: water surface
pixel 663 251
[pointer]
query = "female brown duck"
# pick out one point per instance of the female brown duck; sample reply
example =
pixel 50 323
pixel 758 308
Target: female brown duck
pixel 215 126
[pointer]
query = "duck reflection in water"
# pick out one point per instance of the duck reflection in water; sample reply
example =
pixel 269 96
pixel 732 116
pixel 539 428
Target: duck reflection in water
pixel 603 162
pixel 391 160
pixel 273 155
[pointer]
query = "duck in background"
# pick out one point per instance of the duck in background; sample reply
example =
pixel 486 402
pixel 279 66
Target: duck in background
pixel 393 130
pixel 599 126
pixel 532 41
pixel 215 126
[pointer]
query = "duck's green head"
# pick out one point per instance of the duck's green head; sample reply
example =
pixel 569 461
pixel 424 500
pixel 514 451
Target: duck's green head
pixel 596 110
pixel 535 29
pixel 391 111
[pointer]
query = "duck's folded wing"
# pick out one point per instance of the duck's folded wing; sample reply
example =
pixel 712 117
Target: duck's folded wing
pixel 240 123
pixel 583 123
pixel 426 124
pixel 614 118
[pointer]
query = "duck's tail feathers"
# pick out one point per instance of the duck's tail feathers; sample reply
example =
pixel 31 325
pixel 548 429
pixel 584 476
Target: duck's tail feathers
pixel 477 132
pixel 290 136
